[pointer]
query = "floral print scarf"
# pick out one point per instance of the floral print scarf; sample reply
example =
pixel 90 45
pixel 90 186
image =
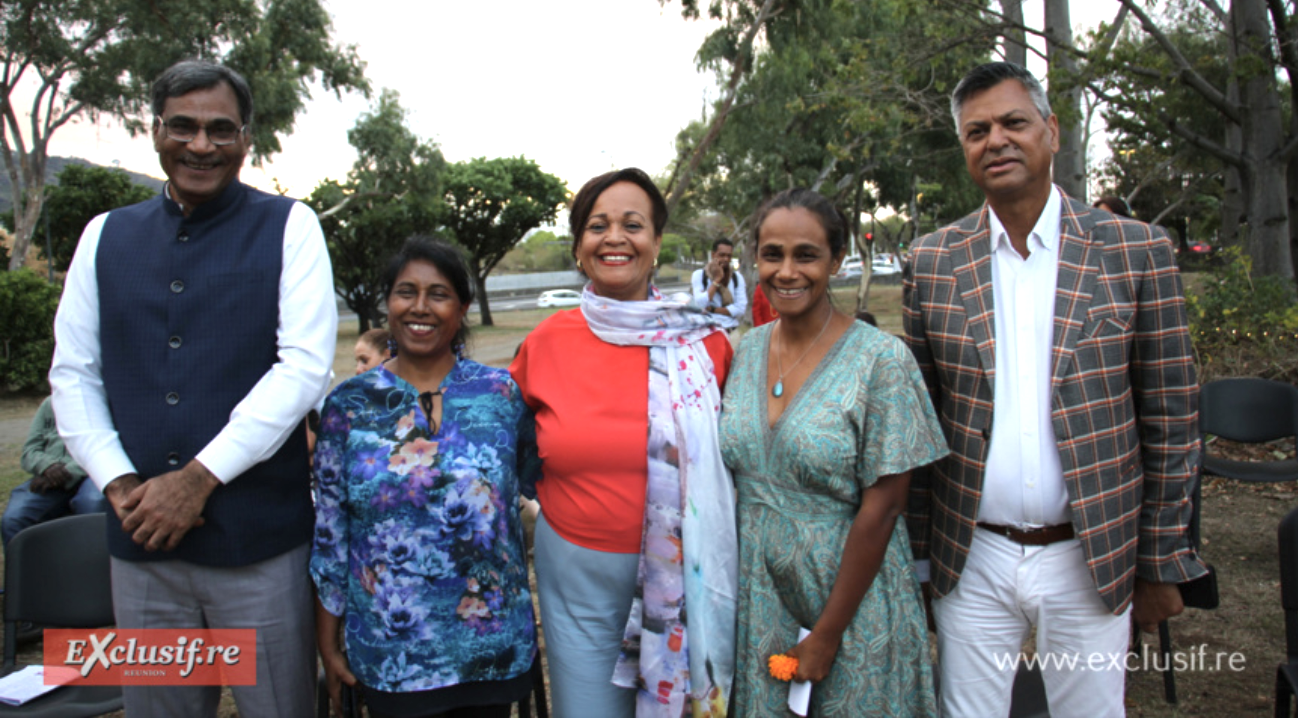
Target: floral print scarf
pixel 679 646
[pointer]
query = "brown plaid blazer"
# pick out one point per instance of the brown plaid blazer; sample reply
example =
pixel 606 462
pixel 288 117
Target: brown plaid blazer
pixel 1124 399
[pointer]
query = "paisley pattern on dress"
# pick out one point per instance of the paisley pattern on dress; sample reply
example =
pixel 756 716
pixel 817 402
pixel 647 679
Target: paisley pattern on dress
pixel 863 413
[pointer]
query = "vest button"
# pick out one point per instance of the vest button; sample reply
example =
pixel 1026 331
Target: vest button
pixel 173 398
pixel 173 459
pixel 174 342
pixel 183 236
pixel 177 287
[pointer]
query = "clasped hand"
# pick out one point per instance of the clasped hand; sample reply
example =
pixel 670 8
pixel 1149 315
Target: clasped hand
pixel 55 476
pixel 159 512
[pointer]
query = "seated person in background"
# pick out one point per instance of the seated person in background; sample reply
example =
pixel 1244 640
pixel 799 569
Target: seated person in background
pixel 717 288
pixel 57 486
pixel 371 349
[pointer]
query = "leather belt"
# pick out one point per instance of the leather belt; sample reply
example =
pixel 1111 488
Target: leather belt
pixel 1042 536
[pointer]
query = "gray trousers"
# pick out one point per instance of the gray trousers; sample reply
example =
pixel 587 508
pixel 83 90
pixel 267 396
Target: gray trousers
pixel 585 600
pixel 273 597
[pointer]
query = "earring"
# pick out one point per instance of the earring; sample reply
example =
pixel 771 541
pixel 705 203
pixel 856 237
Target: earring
pixel 655 261
pixel 392 347
pixel 579 265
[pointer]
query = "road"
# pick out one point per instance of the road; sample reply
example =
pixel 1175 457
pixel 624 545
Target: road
pixel 506 304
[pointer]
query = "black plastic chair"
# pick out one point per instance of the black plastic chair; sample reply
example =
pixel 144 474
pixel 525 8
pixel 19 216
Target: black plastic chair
pixel 1200 593
pixel 57 574
pixel 1249 410
pixel 1286 675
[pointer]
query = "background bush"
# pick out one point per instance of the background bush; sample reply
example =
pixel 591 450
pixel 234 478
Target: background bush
pixel 27 306
pixel 1243 325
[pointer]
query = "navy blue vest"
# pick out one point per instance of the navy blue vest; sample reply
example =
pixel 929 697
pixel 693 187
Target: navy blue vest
pixel 188 312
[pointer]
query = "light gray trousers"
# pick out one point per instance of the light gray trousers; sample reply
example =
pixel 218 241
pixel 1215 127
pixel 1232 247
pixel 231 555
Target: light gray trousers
pixel 273 597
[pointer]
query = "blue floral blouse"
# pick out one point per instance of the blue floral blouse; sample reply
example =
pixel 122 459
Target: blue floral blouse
pixel 418 540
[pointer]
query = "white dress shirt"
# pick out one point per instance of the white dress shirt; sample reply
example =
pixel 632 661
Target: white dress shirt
pixel 738 290
pixel 1024 482
pixel 262 421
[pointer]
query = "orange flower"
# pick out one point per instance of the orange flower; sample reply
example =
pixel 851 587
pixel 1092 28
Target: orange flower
pixel 783 667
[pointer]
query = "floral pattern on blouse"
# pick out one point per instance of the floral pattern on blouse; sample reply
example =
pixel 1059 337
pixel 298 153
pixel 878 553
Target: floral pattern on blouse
pixel 418 539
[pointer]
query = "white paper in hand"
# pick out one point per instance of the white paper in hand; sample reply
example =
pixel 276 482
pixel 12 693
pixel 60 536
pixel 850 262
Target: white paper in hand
pixel 800 691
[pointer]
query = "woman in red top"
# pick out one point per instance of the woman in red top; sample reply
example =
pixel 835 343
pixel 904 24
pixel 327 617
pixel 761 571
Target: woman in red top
pixel 626 392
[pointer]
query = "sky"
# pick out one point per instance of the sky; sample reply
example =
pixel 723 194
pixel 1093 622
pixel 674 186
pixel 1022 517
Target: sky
pixel 579 86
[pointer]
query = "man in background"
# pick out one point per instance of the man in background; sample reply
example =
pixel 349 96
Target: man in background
pixel 57 486
pixel 718 288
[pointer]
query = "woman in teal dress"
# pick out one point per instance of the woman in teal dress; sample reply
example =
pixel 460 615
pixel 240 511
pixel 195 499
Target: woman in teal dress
pixel 823 420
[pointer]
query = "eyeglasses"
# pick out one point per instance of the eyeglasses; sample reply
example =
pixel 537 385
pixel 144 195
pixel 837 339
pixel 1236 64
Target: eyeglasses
pixel 219 133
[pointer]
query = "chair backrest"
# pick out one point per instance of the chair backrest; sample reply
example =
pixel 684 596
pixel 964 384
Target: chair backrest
pixel 1289 580
pixel 57 574
pixel 1248 409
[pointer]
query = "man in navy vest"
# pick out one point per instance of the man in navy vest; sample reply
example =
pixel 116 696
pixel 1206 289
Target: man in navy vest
pixel 195 332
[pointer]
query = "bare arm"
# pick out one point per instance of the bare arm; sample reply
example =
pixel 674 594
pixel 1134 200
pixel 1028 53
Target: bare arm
pixel 867 541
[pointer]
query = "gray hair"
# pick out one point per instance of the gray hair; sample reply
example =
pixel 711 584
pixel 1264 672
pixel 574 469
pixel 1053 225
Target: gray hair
pixel 186 76
pixel 985 77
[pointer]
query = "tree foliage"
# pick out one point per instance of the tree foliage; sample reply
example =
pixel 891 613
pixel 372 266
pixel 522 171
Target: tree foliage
pixel 83 192
pixel 392 192
pixel 98 57
pixel 490 204
pixel 542 251
pixel 27 307
pixel 850 99
pixel 1224 104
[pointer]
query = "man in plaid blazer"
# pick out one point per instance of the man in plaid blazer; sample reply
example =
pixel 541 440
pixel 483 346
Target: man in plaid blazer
pixel 1053 338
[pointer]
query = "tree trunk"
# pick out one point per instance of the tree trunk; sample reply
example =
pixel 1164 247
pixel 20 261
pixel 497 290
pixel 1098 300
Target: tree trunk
pixel 1265 176
pixel 1232 200
pixel 743 64
pixel 1070 161
pixel 484 307
pixel 1016 45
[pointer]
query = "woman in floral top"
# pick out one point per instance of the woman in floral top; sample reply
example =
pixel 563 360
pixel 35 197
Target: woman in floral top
pixel 418 549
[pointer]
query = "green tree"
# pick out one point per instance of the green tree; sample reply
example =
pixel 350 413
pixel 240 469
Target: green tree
pixel 490 205
pixel 27 307
pixel 83 192
pixel 1259 147
pixel 391 193
pixel 542 251
pixel 98 57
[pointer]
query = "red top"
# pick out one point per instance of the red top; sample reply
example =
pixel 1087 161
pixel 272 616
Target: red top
pixel 591 401
pixel 763 312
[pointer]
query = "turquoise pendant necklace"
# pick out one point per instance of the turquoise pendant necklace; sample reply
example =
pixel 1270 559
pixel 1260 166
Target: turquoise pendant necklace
pixel 777 391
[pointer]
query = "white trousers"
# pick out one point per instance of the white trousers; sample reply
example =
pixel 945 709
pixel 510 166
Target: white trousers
pixel 1004 590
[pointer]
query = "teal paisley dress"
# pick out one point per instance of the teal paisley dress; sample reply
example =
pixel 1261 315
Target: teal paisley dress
pixel 863 413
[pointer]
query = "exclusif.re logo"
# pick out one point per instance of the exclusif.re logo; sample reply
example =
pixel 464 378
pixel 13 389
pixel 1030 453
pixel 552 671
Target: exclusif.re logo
pixel 153 656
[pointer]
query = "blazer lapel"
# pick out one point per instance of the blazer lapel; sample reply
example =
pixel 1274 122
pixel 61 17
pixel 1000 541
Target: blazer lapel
pixel 1080 254
pixel 972 266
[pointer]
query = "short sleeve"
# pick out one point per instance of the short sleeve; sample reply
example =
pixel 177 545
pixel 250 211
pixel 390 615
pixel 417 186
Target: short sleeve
pixel 901 431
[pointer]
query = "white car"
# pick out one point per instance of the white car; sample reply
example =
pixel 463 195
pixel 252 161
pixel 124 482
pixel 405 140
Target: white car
pixel 559 298
pixel 851 267
pixel 884 265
